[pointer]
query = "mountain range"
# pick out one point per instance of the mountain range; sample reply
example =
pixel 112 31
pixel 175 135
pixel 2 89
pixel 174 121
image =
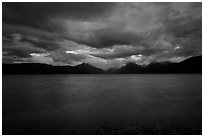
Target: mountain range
pixel 190 65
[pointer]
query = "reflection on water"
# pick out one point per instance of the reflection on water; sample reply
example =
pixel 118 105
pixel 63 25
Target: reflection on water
pixel 102 104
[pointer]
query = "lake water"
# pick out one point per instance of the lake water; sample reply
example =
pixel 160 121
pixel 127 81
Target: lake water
pixel 102 104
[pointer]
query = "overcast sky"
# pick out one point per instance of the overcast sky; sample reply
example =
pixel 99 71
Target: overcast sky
pixel 102 34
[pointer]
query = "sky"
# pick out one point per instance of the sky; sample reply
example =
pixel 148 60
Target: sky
pixel 105 35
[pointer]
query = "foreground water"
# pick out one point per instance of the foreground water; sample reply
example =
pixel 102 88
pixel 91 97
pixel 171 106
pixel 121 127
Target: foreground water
pixel 102 104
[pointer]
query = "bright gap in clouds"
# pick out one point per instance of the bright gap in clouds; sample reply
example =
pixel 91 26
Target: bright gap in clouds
pixel 136 57
pixel 72 52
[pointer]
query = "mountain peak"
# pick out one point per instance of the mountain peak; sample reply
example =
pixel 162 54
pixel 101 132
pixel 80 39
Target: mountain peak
pixel 87 68
pixel 190 65
pixel 83 64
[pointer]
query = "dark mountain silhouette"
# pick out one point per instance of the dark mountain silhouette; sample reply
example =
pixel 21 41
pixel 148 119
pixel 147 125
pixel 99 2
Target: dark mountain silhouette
pixel 130 68
pixel 193 64
pixel 190 65
pixel 86 68
pixel 37 68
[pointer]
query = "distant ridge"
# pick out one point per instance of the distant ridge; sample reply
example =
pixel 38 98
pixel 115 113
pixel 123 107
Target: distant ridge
pixel 37 68
pixel 190 65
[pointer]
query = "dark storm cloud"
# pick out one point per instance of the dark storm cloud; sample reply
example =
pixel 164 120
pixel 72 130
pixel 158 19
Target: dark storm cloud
pixel 181 31
pixel 38 14
pixel 108 33
pixel 17 52
pixel 38 38
pixel 109 37
pixel 184 27
pixel 9 30
pixel 187 32
pixel 48 45
pixel 19 49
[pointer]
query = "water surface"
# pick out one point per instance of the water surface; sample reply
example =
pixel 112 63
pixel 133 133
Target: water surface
pixel 102 104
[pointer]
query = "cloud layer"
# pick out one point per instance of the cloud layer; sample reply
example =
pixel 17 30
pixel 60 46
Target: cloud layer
pixel 103 34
